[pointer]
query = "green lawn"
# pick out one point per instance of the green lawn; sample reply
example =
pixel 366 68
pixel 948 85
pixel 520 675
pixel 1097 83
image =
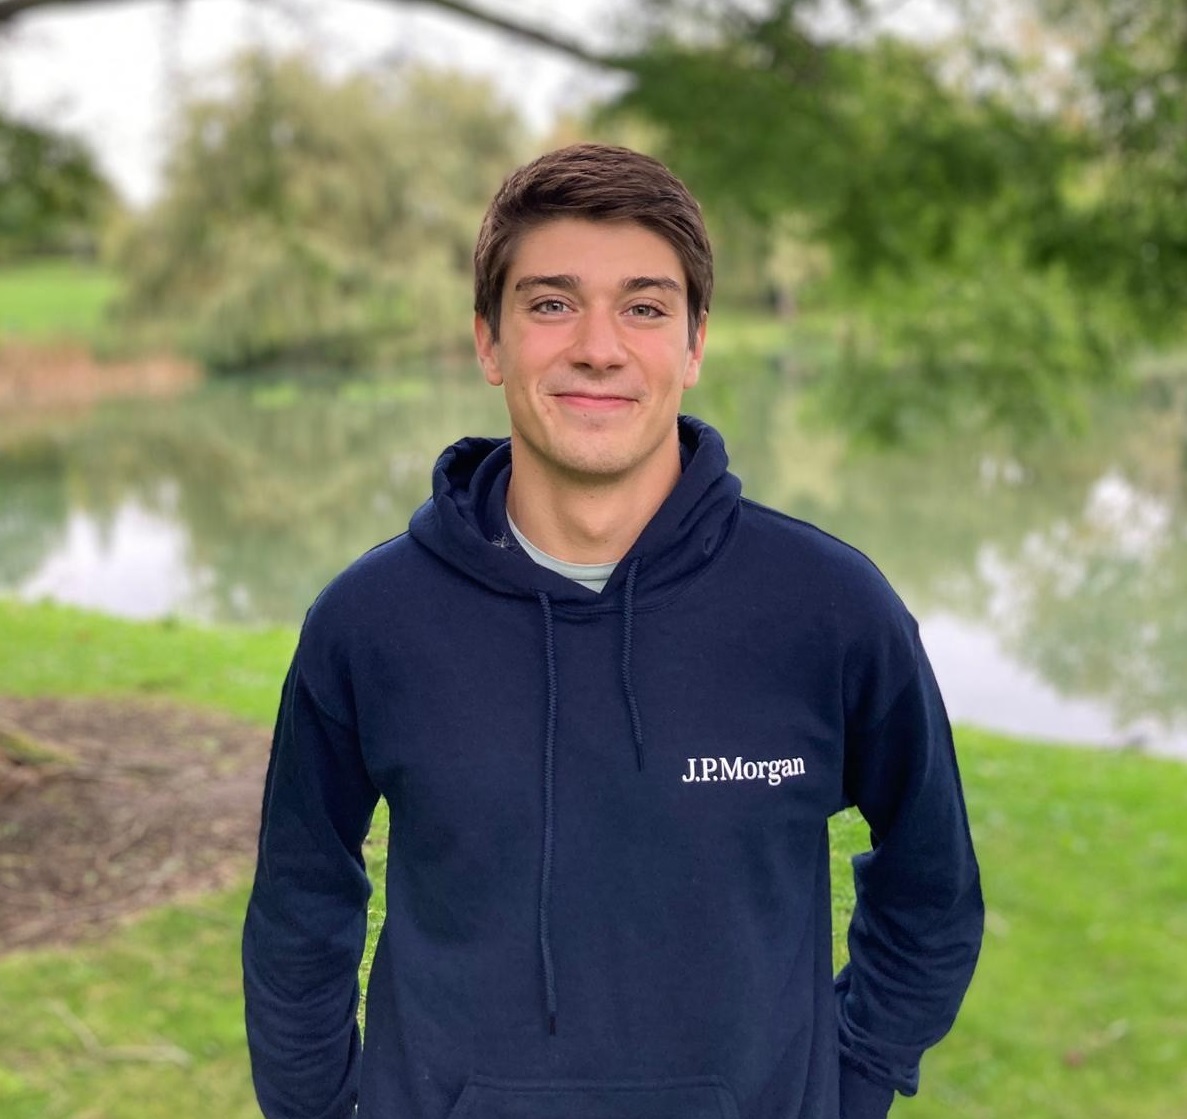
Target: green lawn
pixel 52 650
pixel 1077 1009
pixel 54 299
pixel 1079 1006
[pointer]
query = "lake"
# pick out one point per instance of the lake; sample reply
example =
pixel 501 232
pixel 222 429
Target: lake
pixel 1050 583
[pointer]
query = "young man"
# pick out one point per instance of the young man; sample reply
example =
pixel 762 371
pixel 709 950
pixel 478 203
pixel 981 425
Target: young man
pixel 611 705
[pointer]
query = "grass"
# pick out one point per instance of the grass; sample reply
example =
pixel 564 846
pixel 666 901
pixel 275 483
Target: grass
pixel 53 650
pixel 53 299
pixel 1076 1009
pixel 145 1025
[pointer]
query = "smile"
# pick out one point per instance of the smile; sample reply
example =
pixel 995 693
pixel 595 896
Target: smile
pixel 588 403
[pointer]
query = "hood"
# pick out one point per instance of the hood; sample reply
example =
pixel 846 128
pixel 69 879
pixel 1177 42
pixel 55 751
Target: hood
pixel 464 523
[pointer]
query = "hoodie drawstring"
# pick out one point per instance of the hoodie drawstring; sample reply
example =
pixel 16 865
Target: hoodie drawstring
pixel 628 683
pixel 549 814
pixel 628 687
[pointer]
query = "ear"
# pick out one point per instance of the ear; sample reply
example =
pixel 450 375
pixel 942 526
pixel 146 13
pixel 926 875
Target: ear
pixel 692 370
pixel 488 351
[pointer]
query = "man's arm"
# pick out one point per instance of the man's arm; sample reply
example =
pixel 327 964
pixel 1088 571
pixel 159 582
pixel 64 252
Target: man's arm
pixel 306 922
pixel 917 925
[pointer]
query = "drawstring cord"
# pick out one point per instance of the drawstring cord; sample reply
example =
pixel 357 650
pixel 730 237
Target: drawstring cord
pixel 628 687
pixel 549 812
pixel 628 684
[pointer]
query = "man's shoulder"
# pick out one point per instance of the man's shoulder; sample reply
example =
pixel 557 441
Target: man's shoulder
pixel 367 587
pixel 807 550
pixel 827 586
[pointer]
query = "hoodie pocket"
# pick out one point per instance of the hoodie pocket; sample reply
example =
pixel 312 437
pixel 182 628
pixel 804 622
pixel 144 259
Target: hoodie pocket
pixel 700 1098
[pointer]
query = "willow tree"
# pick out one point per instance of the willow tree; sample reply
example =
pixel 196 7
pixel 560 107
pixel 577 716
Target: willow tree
pixel 310 220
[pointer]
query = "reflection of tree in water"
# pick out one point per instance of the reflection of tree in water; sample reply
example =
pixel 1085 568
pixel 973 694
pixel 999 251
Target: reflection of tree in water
pixel 1099 603
pixel 1096 600
pixel 279 486
pixel 34 507
pixel 1075 555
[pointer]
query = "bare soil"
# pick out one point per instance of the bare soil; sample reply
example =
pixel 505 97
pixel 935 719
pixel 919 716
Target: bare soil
pixel 108 807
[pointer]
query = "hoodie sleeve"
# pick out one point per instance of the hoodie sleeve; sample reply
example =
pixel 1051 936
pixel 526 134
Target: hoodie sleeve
pixel 307 918
pixel 916 927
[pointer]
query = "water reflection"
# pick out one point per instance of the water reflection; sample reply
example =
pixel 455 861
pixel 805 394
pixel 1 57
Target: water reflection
pixel 1096 603
pixel 1052 585
pixel 136 565
pixel 986 685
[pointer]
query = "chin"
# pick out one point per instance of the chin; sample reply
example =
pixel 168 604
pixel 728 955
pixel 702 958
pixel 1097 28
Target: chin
pixel 602 469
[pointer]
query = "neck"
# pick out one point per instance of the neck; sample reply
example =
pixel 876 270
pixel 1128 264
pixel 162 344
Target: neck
pixel 583 521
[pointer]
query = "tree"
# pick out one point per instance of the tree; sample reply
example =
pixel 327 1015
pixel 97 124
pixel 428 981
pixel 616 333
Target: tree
pixel 998 249
pixel 1128 85
pixel 308 220
pixel 52 196
pixel 938 204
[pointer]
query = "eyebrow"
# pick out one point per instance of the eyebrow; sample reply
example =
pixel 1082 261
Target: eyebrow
pixel 568 282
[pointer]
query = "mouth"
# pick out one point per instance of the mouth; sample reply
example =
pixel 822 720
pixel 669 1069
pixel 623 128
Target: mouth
pixel 593 402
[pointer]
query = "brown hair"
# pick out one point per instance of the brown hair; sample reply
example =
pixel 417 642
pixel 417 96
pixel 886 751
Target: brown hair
pixel 595 182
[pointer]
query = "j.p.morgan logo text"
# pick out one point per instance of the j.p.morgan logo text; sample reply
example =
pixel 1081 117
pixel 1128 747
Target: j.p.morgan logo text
pixel 723 769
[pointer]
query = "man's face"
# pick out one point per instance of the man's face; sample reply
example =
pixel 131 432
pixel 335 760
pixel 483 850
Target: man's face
pixel 593 351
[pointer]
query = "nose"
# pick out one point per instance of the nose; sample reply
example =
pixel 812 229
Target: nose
pixel 597 340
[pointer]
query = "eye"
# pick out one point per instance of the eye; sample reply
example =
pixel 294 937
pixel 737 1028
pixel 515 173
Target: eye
pixel 550 306
pixel 645 311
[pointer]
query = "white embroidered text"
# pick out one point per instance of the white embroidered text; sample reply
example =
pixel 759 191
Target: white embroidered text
pixel 725 769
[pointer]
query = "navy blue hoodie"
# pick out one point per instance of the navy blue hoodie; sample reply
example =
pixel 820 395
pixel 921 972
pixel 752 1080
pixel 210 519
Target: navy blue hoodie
pixel 608 879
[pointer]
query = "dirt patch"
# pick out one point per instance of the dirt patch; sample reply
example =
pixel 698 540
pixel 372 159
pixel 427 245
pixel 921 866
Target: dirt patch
pixel 64 375
pixel 108 807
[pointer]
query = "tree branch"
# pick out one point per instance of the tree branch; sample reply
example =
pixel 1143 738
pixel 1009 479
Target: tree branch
pixel 10 9
pixel 521 31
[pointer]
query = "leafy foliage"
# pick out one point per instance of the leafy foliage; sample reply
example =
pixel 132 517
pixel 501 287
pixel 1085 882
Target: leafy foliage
pixel 308 220
pixel 1009 347
pixel 52 196
pixel 997 253
pixel 1130 90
